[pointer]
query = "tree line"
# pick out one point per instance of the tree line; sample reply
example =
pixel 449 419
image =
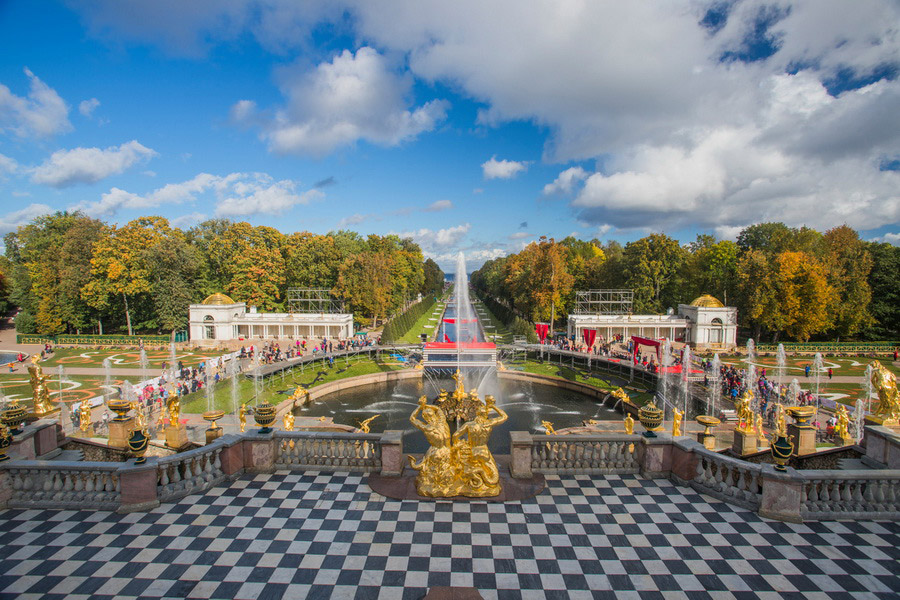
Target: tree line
pixel 70 273
pixel 787 283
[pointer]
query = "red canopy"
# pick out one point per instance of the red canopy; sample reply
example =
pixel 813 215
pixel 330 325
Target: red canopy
pixel 640 341
pixel 460 320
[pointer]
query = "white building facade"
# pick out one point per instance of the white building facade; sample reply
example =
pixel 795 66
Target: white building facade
pixel 704 323
pixel 221 319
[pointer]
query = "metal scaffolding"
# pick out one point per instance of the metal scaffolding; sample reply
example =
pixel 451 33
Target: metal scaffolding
pixel 313 300
pixel 603 302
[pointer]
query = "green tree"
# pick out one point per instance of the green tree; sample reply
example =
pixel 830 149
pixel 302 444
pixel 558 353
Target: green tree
pixel 652 264
pixel 849 264
pixel 364 282
pixel 884 281
pixel 253 264
pixel 433 283
pixel 175 267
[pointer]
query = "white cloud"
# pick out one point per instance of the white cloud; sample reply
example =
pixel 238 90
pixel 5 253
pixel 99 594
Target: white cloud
pixel 890 238
pixel 566 181
pixel 89 165
pixel 354 97
pixel 439 205
pixel 432 241
pixel 87 107
pixel 11 221
pixel 236 194
pixel 7 165
pixel 41 114
pixel 502 169
pixel 188 220
pixel 521 235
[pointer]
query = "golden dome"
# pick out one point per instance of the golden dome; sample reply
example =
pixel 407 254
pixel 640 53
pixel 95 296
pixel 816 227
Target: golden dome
pixel 218 300
pixel 707 301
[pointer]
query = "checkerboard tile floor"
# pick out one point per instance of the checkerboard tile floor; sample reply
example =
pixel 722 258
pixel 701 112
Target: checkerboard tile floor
pixel 326 535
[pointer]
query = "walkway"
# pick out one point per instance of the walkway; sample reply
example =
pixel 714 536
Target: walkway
pixel 328 536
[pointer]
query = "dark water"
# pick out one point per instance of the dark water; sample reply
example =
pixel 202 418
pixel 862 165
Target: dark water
pixel 526 403
pixel 7 357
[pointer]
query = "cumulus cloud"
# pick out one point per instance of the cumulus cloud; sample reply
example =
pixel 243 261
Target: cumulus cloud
pixel 502 169
pixel 42 113
pixel 439 205
pixel 235 194
pixel 354 97
pixel 520 235
pixel 432 241
pixel 566 181
pixel 7 165
pixel 11 221
pixel 89 165
pixel 87 107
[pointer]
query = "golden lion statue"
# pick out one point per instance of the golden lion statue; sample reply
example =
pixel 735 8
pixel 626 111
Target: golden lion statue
pixel 885 383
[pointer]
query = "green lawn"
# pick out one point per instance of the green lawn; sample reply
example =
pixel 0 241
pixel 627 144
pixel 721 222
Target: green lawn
pixel 499 329
pixel 413 336
pixel 131 359
pixel 853 367
pixel 75 388
pixel 276 388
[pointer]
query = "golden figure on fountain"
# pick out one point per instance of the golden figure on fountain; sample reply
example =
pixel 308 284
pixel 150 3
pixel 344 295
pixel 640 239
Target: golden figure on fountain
pixel 41 392
pixel 174 407
pixel 242 417
pixel 745 413
pixel 885 383
pixel 84 416
pixel 842 426
pixel 454 466
pixel 677 418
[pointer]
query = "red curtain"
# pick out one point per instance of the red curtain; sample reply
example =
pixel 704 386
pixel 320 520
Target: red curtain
pixel 542 329
pixel 589 336
pixel 639 341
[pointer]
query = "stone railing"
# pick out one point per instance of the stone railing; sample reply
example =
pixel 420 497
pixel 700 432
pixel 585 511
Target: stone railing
pixel 72 485
pixel 582 454
pixel 189 472
pixel 328 451
pixel 730 479
pixel 849 494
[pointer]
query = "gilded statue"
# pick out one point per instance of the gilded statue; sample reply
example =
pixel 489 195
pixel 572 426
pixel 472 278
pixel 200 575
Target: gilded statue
pixel 548 426
pixel 173 405
pixel 842 427
pixel 762 439
pixel 745 413
pixel 364 425
pixel 629 424
pixel 40 391
pixel 438 475
pixel 84 414
pixel 677 418
pixel 479 470
pixel 621 395
pixel 780 423
pixel 885 384
pixel 138 407
pixel 288 421
pixel 242 417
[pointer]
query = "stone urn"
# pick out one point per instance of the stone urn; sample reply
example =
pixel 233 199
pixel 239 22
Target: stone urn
pixel 707 421
pixel 5 441
pixel 264 415
pixel 215 430
pixel 120 407
pixel 651 418
pixel 13 416
pixel 801 414
pixel 781 449
pixel 138 443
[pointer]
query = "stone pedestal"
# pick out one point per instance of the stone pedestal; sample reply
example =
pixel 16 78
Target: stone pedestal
pixel 782 494
pixel 520 447
pixel 708 441
pixel 392 453
pixel 84 434
pixel 744 443
pixel 803 437
pixel 176 436
pixel 138 485
pixel 213 434
pixel 763 444
pixel 120 431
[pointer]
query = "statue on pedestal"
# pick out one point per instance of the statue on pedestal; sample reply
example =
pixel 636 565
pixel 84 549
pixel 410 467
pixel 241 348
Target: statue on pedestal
pixel 885 383
pixel 41 392
pixel 677 418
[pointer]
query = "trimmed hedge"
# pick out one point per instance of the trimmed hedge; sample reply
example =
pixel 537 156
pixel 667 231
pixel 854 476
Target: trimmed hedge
pixel 402 323
pixel 94 340
pixel 514 323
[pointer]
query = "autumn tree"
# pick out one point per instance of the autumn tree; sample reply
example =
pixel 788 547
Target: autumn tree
pixel 433 282
pixel 652 264
pixel 804 295
pixel 364 282
pixel 253 264
pixel 849 264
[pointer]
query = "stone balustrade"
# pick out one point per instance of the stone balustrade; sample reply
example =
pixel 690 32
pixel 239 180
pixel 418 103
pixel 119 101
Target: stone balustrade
pixel 584 454
pixel 73 485
pixel 849 494
pixel 190 472
pixel 328 451
pixel 730 479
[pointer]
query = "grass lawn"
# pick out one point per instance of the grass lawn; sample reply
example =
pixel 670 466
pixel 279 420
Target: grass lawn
pixel 75 388
pixel 596 379
pixel 413 336
pixel 82 357
pixel 853 367
pixel 276 388
pixel 500 330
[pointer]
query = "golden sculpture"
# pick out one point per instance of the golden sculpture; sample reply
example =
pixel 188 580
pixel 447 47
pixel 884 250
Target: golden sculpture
pixel 138 407
pixel 288 421
pixel 84 414
pixel 173 405
pixel 885 384
pixel 364 425
pixel 677 418
pixel 745 413
pixel 780 423
pixel 761 439
pixel 629 424
pixel 549 427
pixel 40 391
pixel 242 417
pixel 621 395
pixel 454 466
pixel 842 427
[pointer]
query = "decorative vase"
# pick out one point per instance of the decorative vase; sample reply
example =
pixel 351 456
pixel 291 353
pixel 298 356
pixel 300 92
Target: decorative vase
pixel 138 443
pixel 707 421
pixel 781 449
pixel 801 414
pixel 651 417
pixel 212 416
pixel 120 407
pixel 5 441
pixel 264 415
pixel 13 416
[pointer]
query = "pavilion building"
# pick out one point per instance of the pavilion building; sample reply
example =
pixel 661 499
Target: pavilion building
pixel 221 319
pixel 705 323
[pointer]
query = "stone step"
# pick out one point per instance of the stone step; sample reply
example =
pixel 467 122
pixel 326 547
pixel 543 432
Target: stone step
pixel 852 464
pixel 69 456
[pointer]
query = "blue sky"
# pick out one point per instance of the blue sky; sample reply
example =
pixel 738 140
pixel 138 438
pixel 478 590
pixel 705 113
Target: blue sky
pixel 472 126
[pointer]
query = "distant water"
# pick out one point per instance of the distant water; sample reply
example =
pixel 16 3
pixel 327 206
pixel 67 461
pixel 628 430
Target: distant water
pixel 7 357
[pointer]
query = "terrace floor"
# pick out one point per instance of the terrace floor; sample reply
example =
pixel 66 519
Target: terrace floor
pixel 327 535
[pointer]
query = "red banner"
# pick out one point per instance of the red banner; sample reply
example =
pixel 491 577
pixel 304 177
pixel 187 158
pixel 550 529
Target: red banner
pixel 639 341
pixel 589 336
pixel 460 320
pixel 542 329
pixel 446 338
